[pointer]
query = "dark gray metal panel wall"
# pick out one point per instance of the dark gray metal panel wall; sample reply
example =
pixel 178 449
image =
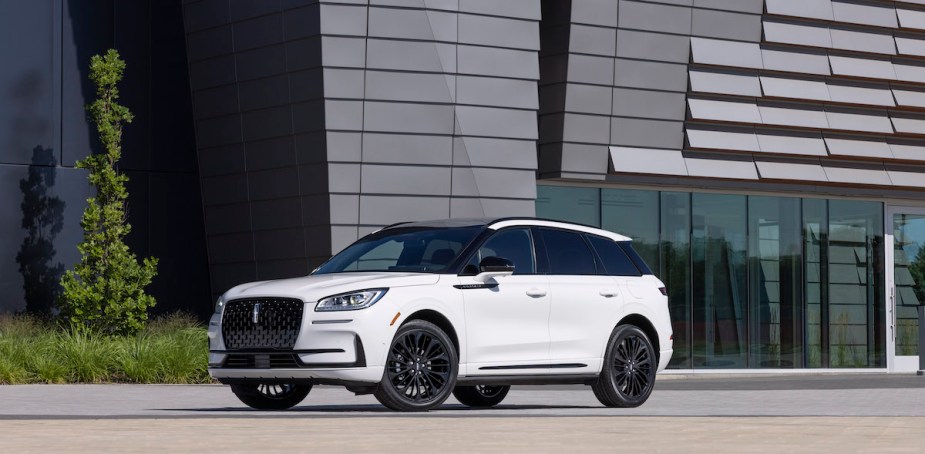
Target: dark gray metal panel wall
pixel 320 121
pixel 430 110
pixel 256 78
pixel 615 74
pixel 45 47
pixel 822 92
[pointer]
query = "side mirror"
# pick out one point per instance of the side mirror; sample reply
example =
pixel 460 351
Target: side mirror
pixel 491 267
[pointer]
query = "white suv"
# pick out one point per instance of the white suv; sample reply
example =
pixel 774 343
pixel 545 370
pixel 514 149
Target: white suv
pixel 419 310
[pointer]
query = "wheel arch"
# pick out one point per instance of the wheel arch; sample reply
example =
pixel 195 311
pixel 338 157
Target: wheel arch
pixel 432 316
pixel 643 323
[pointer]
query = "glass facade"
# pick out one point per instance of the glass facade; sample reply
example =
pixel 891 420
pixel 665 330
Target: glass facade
pixel 753 281
pixel 909 276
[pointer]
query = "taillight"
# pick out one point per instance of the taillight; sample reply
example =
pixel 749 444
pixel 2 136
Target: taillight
pixel 663 290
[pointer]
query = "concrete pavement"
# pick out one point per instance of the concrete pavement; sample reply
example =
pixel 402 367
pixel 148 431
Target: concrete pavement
pixel 808 413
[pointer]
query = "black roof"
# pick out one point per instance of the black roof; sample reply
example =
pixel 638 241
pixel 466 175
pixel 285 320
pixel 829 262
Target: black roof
pixel 460 222
pixel 473 222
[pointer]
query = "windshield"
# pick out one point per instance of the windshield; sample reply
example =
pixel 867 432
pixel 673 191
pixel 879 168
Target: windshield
pixel 408 249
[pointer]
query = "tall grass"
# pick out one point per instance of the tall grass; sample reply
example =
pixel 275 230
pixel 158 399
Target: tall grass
pixel 172 349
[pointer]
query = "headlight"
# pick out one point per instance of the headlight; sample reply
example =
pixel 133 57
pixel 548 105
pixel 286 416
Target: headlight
pixel 219 304
pixel 350 301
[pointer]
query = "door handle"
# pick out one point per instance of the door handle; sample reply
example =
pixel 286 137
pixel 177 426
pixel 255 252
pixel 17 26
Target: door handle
pixel 609 293
pixel 536 292
pixel 893 310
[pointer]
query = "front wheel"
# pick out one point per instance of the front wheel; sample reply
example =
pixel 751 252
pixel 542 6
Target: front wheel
pixel 421 368
pixel 628 373
pixel 264 396
pixel 480 396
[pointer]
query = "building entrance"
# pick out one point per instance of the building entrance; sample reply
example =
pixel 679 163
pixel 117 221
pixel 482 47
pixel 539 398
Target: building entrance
pixel 905 284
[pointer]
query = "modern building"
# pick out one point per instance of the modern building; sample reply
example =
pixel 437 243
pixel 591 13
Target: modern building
pixel 768 157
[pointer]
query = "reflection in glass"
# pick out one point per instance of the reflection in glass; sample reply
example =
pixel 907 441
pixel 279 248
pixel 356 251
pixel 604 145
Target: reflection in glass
pixel 719 280
pixel 763 282
pixel 815 265
pixel 776 315
pixel 675 260
pixel 909 277
pixel 633 213
pixel 855 309
pixel 562 203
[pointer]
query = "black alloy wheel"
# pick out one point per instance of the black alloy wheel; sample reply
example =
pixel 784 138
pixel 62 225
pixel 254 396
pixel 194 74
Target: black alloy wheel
pixel 265 396
pixel 628 373
pixel 421 368
pixel 481 396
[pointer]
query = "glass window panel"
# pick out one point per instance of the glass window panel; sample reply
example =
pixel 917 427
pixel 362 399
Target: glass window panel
pixel 568 253
pixel 855 309
pixel 719 255
pixel 775 297
pixel 815 238
pixel 515 245
pixel 641 264
pixel 757 281
pixel 633 213
pixel 615 260
pixel 581 205
pixel 909 277
pixel 675 270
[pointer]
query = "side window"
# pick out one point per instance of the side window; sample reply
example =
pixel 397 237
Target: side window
pixel 439 253
pixel 515 245
pixel 615 260
pixel 568 253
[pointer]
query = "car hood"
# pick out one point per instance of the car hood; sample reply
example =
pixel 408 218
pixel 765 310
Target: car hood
pixel 315 287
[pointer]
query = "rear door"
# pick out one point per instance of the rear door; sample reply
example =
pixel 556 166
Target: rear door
pixel 586 299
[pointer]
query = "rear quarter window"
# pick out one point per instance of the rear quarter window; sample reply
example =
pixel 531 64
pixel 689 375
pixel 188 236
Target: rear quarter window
pixel 615 260
pixel 635 257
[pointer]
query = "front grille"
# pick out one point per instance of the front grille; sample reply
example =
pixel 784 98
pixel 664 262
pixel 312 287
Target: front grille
pixel 277 326
pixel 262 361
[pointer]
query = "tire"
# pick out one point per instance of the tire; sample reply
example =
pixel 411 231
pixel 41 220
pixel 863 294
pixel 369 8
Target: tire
pixel 271 397
pixel 628 372
pixel 481 396
pixel 420 370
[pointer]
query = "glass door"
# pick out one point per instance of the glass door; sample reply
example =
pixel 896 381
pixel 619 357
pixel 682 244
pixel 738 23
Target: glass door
pixel 905 284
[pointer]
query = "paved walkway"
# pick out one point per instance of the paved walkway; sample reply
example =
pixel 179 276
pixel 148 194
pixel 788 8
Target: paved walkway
pixel 847 413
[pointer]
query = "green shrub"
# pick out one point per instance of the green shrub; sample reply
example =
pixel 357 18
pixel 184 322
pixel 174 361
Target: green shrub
pixel 140 359
pixel 106 291
pixel 89 358
pixel 172 349
pixel 185 360
pixel 41 361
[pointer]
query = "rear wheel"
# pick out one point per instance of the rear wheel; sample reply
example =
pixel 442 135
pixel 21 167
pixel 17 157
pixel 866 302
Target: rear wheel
pixel 264 396
pixel 481 396
pixel 421 368
pixel 628 374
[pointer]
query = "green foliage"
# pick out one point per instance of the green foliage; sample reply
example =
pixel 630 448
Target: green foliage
pixel 174 349
pixel 106 291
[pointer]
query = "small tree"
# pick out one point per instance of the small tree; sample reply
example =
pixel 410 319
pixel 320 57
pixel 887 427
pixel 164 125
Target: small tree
pixel 105 291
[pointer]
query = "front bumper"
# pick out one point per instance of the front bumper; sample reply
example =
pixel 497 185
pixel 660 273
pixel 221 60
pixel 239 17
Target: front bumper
pixel 356 376
pixel 331 348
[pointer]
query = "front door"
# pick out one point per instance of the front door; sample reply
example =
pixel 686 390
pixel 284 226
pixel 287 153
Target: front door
pixel 905 227
pixel 507 318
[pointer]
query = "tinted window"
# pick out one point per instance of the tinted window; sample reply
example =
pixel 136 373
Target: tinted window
pixel 634 256
pixel 615 260
pixel 403 249
pixel 515 245
pixel 568 253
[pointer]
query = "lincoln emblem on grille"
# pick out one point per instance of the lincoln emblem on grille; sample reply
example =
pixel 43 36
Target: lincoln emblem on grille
pixel 256 313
